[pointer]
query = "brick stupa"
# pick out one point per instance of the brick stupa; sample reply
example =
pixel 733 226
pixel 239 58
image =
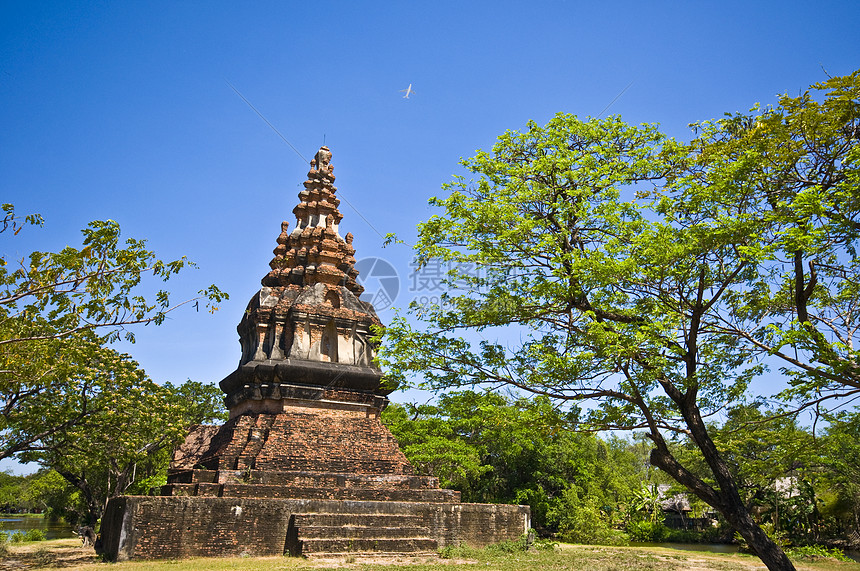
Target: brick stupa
pixel 303 466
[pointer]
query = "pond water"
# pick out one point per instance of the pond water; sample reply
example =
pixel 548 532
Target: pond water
pixel 10 523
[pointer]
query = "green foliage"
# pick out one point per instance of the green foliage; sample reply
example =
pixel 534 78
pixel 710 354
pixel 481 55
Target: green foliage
pixel 500 450
pixel 838 461
pixel 583 521
pixel 11 498
pixel 648 498
pixel 70 402
pixel 791 175
pixel 51 493
pixel 11 221
pixel 512 546
pixel 647 530
pixel 35 535
pixel 57 312
pixel 124 447
pixel 652 277
pixel 815 552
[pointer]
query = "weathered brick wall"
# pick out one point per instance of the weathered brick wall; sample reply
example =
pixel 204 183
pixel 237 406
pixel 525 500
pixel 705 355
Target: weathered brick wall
pixel 151 527
pixel 323 439
pixel 154 527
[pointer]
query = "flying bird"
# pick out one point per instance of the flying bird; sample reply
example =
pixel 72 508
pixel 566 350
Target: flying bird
pixel 408 91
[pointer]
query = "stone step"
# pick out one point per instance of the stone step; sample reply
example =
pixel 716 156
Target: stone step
pixel 319 547
pixel 359 520
pixel 211 490
pixel 408 495
pixel 360 532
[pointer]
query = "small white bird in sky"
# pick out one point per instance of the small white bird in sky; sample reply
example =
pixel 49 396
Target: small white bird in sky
pixel 408 91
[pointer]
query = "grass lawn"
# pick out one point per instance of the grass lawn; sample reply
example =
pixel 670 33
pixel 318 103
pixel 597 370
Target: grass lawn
pixel 67 553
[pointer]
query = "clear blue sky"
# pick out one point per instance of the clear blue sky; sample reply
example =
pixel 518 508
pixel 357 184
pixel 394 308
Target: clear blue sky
pixel 122 110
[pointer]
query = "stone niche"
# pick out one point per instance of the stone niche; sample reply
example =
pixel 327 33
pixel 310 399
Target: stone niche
pixel 303 466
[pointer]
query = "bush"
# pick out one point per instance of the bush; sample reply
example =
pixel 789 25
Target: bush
pixel 527 541
pixel 813 552
pixel 582 520
pixel 721 533
pixel 35 535
pixel 647 531
pixel 684 536
pixel 16 537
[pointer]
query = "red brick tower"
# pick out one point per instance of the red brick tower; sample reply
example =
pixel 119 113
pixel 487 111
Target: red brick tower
pixel 306 395
pixel 303 465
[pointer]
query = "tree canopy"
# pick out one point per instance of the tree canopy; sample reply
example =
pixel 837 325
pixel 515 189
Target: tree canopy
pixel 58 312
pixel 495 449
pixel 650 276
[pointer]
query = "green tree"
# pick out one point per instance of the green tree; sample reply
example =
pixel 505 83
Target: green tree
pixel 839 460
pixel 785 180
pixel 54 496
pixel 644 278
pixel 11 498
pixel 125 444
pixel 57 312
pixel 496 450
pixel 776 464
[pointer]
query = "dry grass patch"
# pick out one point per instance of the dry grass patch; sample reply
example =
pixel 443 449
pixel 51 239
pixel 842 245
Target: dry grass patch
pixel 68 554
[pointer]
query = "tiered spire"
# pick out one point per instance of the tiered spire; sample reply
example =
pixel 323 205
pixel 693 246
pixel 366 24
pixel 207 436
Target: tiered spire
pixel 307 320
pixel 314 252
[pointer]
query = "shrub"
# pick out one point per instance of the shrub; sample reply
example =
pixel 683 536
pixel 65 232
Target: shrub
pixel 582 520
pixel 35 535
pixel 684 536
pixel 647 531
pixel 524 542
pixel 813 552
pixel 16 537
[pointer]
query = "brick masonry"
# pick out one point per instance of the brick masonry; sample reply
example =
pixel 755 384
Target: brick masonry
pixel 153 527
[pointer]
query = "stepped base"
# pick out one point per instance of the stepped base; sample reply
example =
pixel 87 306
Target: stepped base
pixel 166 527
pixel 306 485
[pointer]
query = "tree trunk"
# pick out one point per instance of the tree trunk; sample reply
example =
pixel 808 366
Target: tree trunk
pixel 94 508
pixel 767 550
pixel 733 509
pixel 725 498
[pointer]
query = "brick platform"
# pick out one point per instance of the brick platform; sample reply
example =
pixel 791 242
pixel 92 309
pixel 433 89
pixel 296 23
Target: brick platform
pixel 153 527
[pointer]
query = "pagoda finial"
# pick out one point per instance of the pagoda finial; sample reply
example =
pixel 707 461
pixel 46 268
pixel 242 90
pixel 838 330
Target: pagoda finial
pixel 322 161
pixel 314 252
